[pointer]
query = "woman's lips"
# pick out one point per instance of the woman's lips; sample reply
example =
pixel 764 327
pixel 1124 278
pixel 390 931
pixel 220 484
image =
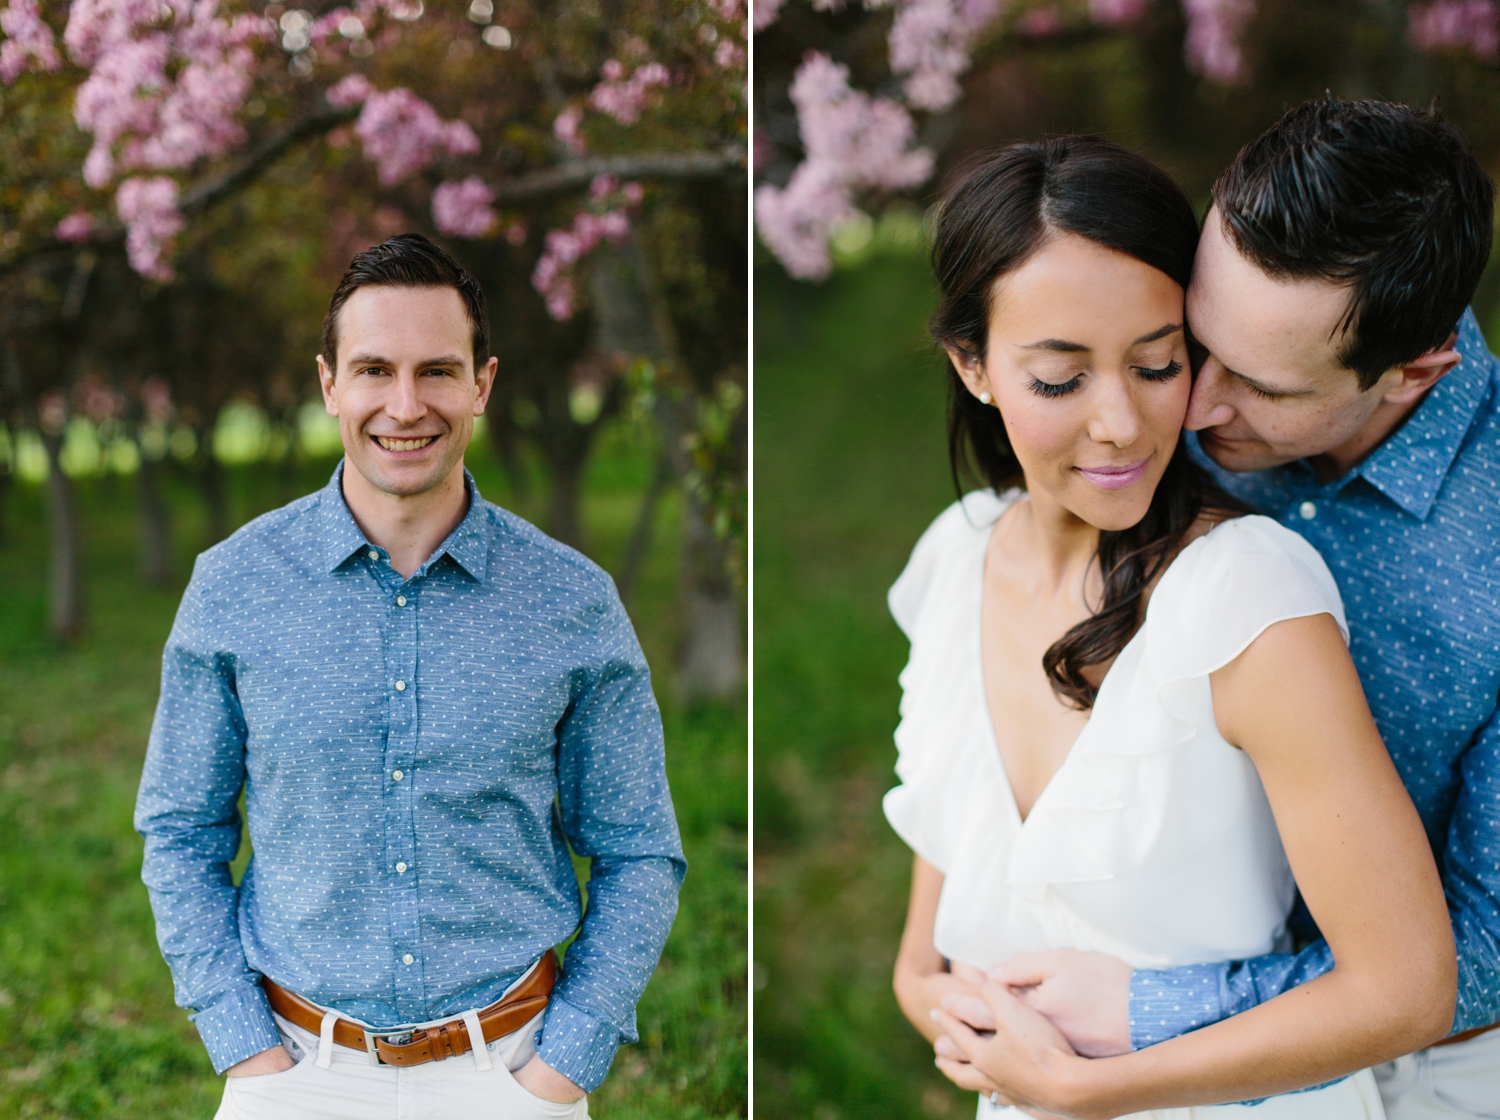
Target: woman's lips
pixel 1114 478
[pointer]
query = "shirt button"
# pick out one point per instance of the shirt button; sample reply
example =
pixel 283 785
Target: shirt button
pixel 374 555
pixel 407 959
pixel 400 600
pixel 400 686
pixel 397 775
pixel 1307 511
pixel 401 870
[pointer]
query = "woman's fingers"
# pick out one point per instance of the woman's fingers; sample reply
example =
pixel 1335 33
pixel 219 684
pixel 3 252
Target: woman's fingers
pixel 967 973
pixel 1012 1017
pixel 968 1078
pixel 971 1008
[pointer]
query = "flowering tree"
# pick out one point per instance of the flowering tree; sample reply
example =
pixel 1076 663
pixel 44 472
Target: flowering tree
pixel 542 142
pixel 852 145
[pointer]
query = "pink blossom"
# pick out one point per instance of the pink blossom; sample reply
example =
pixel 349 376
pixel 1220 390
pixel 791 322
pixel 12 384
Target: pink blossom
pixel 148 207
pixel 860 140
pixel 156 398
pixel 515 232
pixel 795 223
pixel 566 129
pixel 76 227
pixel 562 249
pixel 728 9
pixel 930 41
pixel 603 186
pixel 1111 13
pixel 1474 24
pixel 463 209
pixel 633 193
pixel 764 13
pixel 623 98
pixel 1212 45
pixel 1038 23
pixel 402 134
pixel 28 40
pixel 350 90
pixel 729 55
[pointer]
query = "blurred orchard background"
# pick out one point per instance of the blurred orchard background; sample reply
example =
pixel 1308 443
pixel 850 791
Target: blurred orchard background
pixel 862 111
pixel 182 182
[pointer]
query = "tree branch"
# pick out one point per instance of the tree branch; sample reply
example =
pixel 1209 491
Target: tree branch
pixel 253 162
pixel 576 174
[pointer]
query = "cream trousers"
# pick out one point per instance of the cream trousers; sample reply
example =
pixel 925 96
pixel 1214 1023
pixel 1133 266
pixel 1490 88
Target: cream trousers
pixel 350 1088
pixel 1458 1082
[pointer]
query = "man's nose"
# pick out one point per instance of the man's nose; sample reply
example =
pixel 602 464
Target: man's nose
pixel 405 403
pixel 1207 407
pixel 1116 419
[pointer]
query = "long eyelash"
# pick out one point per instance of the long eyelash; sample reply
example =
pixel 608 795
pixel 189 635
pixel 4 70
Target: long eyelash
pixel 1166 373
pixel 1256 390
pixel 1051 391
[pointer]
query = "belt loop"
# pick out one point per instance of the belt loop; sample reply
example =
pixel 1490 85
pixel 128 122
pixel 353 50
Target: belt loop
pixel 476 1041
pixel 325 1039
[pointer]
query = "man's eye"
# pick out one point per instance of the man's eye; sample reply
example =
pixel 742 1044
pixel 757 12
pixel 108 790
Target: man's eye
pixel 1263 394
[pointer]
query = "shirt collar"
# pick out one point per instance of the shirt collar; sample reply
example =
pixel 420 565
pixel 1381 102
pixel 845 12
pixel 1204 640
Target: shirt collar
pixel 1410 467
pixel 467 545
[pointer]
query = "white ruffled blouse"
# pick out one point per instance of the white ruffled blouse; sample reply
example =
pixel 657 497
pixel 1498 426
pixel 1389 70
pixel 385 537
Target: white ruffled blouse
pixel 1154 841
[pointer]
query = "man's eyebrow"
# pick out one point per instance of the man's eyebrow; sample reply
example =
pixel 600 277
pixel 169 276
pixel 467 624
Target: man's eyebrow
pixel 1160 332
pixel 1056 344
pixel 377 360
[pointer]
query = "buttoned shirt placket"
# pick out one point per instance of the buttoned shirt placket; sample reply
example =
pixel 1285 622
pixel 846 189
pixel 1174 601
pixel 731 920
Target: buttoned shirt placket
pixel 398 783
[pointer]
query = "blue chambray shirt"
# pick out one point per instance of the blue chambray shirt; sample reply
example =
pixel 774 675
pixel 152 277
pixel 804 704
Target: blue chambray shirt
pixel 1412 536
pixel 417 756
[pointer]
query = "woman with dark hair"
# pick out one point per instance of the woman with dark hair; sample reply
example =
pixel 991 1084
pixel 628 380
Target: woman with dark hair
pixel 1130 714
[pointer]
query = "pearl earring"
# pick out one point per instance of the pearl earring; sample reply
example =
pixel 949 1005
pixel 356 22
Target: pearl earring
pixel 984 398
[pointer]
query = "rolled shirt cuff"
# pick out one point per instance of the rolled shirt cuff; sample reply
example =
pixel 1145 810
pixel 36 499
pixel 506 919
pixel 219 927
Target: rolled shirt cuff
pixel 237 1026
pixel 577 1045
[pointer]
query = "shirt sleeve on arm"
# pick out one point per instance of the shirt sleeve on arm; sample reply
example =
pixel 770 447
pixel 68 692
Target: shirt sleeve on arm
pixel 1471 878
pixel 186 810
pixel 616 811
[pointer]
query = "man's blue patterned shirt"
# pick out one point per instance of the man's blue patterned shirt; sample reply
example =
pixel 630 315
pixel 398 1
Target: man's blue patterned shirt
pixel 1412 535
pixel 417 755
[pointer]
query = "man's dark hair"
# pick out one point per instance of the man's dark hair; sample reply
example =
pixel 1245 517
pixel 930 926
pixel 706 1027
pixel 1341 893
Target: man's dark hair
pixel 407 260
pixel 1381 197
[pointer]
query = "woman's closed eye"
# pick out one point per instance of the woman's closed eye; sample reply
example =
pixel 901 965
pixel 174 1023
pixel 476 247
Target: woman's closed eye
pixel 1165 373
pixel 1052 389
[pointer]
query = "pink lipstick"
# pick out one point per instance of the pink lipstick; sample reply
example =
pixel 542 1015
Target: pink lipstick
pixel 1114 478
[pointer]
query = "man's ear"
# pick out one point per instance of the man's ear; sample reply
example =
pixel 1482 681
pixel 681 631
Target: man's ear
pixel 1423 373
pixel 325 382
pixel 484 379
pixel 970 368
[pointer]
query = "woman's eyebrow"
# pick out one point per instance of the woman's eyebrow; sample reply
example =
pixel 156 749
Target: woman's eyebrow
pixel 1160 332
pixel 1056 344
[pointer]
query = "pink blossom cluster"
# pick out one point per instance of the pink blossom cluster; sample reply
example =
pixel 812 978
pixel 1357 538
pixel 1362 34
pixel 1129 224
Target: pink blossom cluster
pixel 156 399
pixel 148 207
pixel 28 40
pixel 1212 44
pixel 349 90
pixel 764 13
pixel 167 79
pixel 930 42
pixel 852 141
pixel 623 98
pixel 1112 13
pixel 77 227
pixel 402 134
pixel 1474 24
pixel 567 129
pixel 463 209
pixel 608 220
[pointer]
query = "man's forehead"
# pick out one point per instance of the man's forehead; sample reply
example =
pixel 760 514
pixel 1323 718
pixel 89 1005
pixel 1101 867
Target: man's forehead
pixel 1264 325
pixel 400 323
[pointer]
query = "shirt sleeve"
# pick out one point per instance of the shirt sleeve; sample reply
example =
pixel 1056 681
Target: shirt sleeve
pixel 616 811
pixel 187 811
pixel 1165 1004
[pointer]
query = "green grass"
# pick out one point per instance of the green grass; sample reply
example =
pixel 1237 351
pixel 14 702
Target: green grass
pixel 849 396
pixel 86 1010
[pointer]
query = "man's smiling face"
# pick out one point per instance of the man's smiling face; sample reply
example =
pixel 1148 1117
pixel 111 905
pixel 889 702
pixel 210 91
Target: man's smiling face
pixel 405 390
pixel 1272 388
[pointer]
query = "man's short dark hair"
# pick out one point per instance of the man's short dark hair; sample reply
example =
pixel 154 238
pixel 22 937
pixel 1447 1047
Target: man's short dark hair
pixel 1386 199
pixel 407 260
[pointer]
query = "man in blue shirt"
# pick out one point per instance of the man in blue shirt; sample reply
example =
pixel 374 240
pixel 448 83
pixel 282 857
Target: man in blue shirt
pixel 1345 391
pixel 427 702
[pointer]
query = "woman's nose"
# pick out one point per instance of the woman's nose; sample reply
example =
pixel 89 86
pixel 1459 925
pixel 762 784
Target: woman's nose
pixel 1116 418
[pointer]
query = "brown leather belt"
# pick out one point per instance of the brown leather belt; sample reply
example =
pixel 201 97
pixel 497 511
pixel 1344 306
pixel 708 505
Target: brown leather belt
pixel 1464 1036
pixel 425 1044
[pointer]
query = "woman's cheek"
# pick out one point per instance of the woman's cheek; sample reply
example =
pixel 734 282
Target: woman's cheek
pixel 1042 434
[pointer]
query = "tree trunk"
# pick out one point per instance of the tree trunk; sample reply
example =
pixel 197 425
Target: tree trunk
pixel 156 535
pixel 5 482
pixel 211 483
pixel 566 470
pixel 640 534
pixel 508 450
pixel 712 660
pixel 65 614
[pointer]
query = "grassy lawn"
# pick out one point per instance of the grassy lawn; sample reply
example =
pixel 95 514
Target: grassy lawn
pixel 86 1006
pixel 850 468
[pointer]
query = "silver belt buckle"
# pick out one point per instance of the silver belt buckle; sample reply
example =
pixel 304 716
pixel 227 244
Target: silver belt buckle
pixel 395 1038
